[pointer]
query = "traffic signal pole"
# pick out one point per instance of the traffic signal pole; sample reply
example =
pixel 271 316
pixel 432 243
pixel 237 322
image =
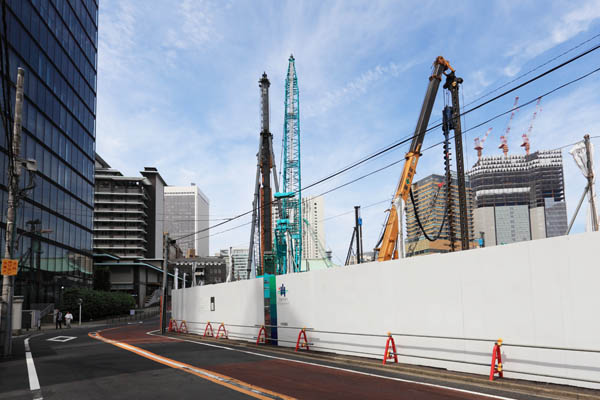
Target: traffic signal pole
pixel 11 214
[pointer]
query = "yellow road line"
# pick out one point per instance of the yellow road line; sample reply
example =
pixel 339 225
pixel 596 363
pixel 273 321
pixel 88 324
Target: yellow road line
pixel 223 380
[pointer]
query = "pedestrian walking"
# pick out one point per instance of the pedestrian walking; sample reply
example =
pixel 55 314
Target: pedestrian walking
pixel 59 319
pixel 68 319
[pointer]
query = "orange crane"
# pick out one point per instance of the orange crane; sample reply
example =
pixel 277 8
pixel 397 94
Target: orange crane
pixel 525 136
pixel 503 138
pixel 388 245
pixel 479 143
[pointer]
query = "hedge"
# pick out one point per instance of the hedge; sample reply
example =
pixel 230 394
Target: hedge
pixel 96 304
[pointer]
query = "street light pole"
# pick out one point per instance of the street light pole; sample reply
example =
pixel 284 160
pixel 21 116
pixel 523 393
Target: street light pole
pixel 79 301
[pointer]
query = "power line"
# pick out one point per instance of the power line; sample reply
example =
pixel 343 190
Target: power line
pixel 216 233
pixel 527 73
pixel 351 211
pixel 396 144
pixel 532 70
pixel 408 138
pixel 523 105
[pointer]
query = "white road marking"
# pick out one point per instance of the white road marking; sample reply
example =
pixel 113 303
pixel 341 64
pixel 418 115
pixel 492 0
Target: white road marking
pixel 34 383
pixel 491 396
pixel 61 339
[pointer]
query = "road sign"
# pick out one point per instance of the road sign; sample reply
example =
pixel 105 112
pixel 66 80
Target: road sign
pixel 10 267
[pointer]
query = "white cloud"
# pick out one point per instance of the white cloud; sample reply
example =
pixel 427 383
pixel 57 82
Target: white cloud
pixel 356 87
pixel 552 33
pixel 196 26
pixel 178 90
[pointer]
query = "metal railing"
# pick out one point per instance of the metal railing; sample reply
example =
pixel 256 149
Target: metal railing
pixel 138 316
pixel 314 345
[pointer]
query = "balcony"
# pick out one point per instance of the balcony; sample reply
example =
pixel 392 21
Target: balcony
pixel 118 247
pixel 119 211
pixel 119 238
pixel 110 220
pixel 120 202
pixel 113 228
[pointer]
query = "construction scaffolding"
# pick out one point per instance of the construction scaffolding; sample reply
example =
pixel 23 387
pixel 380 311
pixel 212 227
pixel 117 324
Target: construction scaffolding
pixel 519 197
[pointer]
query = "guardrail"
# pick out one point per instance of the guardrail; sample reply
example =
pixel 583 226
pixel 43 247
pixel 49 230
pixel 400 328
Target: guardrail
pixel 389 351
pixel 138 316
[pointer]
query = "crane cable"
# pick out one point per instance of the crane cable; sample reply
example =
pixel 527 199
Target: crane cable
pixel 412 199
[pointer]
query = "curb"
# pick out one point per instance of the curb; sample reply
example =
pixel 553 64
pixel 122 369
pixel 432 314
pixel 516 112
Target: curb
pixel 547 390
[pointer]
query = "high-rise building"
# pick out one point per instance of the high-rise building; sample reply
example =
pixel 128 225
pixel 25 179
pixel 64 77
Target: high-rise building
pixel 519 197
pixel 430 202
pixel 313 232
pixel 56 43
pixel 128 228
pixel 187 213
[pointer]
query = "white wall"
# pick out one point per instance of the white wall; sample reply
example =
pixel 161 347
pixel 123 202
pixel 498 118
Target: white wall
pixel 541 292
pixel 236 303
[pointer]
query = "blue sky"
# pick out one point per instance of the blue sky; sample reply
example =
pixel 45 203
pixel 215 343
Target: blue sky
pixel 178 90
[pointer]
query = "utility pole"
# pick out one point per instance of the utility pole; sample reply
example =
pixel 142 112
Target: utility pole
pixel 163 311
pixel 398 204
pixel 13 200
pixel 590 178
pixel 358 224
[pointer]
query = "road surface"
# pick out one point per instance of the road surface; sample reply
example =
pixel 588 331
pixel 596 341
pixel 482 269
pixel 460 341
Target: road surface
pixel 132 361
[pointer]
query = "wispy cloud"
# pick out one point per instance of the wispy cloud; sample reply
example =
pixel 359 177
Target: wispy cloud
pixel 196 27
pixel 178 88
pixel 357 87
pixel 552 33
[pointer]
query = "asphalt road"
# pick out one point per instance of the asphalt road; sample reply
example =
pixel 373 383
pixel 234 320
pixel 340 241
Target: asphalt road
pixel 126 362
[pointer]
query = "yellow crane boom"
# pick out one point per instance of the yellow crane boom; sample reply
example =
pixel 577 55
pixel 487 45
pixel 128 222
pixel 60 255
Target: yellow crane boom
pixel 389 242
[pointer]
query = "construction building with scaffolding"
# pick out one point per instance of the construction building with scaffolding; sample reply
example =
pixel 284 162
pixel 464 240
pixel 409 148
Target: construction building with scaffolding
pixel 518 197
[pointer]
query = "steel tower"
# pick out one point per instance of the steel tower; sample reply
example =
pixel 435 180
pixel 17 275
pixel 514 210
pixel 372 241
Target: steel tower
pixel 289 225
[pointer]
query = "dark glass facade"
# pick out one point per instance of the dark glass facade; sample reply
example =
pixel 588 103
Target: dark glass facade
pixel 56 42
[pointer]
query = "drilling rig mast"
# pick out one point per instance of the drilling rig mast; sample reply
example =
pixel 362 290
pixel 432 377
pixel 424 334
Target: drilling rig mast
pixel 260 254
pixel 288 241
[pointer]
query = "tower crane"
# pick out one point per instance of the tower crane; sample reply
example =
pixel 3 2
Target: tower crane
pixel 504 138
pixel 388 245
pixel 525 136
pixel 479 143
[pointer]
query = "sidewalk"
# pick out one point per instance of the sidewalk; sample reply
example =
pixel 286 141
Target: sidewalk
pixel 118 320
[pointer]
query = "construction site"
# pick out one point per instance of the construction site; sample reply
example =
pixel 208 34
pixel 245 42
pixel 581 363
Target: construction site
pixel 500 200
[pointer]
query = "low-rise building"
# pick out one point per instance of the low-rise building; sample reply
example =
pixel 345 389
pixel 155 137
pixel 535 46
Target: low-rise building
pixel 204 270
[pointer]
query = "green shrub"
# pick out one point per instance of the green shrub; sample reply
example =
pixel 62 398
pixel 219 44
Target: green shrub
pixel 96 304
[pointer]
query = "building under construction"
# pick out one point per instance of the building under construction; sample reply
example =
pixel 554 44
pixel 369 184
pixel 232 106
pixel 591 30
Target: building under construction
pixel 430 202
pixel 519 197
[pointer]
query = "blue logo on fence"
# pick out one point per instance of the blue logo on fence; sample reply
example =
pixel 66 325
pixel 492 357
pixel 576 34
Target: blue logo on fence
pixel 282 290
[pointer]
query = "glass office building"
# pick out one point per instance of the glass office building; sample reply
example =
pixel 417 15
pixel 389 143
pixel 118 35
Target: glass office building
pixel 55 42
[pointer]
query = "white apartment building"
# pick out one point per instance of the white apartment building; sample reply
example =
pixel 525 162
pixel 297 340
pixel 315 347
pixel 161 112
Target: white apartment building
pixel 187 212
pixel 239 261
pixel 313 233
